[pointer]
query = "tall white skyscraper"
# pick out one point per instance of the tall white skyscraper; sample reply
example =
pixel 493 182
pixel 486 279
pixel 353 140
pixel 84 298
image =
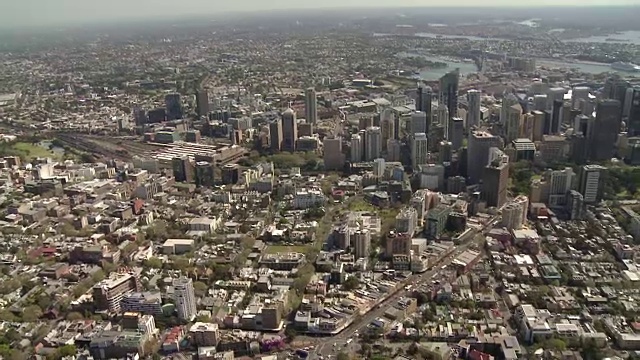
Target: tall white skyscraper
pixel 560 182
pixel 419 122
pixel 473 115
pixel 184 298
pixel 442 113
pixel 373 143
pixel 419 150
pixel 379 166
pixel 311 106
pixel 356 148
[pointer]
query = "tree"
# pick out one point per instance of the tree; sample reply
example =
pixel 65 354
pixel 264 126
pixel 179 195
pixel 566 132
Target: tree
pixel 351 283
pixel 67 350
pixel 342 356
pixel 74 316
pixel 200 288
pixel 154 263
pixel 31 313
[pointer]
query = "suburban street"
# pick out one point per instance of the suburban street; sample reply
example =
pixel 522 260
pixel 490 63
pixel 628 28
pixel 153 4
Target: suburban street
pixel 326 348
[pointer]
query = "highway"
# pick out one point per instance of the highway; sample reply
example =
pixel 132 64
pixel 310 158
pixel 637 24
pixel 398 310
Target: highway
pixel 326 348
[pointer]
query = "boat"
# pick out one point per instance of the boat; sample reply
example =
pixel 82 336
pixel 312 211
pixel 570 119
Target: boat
pixel 624 66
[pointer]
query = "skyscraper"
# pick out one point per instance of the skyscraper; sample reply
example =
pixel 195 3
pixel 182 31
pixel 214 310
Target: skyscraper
pixel 184 298
pixel 478 153
pixel 173 103
pixel 603 130
pixel 560 182
pixel 495 179
pixel 512 122
pixel 311 106
pixel 373 143
pixel 473 100
pixel 275 134
pixel 553 94
pixel 633 123
pixel 202 102
pixel 418 122
pixel 578 93
pixel 449 91
pixel 289 130
pixel 540 102
pixel 442 114
pixel 333 156
pixel 507 102
pixel 183 169
pixel 387 126
pixel 419 150
pixel 591 183
pixel 456 132
pixel 425 95
pixel 356 148
pixel 362 243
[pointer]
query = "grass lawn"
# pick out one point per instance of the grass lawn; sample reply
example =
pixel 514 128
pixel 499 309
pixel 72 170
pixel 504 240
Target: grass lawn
pixel 275 249
pixel 34 150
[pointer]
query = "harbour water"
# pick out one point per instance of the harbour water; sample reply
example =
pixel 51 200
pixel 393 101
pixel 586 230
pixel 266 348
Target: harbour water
pixel 626 37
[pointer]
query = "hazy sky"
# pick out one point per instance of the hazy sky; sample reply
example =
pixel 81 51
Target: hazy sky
pixel 49 12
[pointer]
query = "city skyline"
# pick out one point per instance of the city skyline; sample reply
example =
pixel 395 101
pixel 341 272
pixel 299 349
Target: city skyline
pixel 72 12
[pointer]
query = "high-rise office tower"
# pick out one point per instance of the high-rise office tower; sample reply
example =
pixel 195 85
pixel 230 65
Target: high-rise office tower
pixel 556 117
pixel 289 130
pixel 528 124
pixel 633 123
pixel 275 134
pixel 387 126
pixel 204 174
pixel 540 102
pixel 418 122
pixel 333 156
pixel 495 179
pixel 173 104
pixel 183 169
pixel 473 115
pixel 442 114
pixel 512 122
pixel 449 91
pixel 394 148
pixel 478 153
pixel 591 180
pixel 184 298
pixel 560 182
pixel 507 102
pixel 361 243
pixel 538 125
pixel 456 132
pixel 311 106
pixel 603 130
pixel 379 167
pixel 445 152
pixel 628 103
pixel 553 94
pixel 202 102
pixel 423 103
pixel 419 150
pixel 373 143
pixel 579 93
pixel 356 148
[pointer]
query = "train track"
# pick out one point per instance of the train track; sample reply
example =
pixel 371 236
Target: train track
pixel 78 142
